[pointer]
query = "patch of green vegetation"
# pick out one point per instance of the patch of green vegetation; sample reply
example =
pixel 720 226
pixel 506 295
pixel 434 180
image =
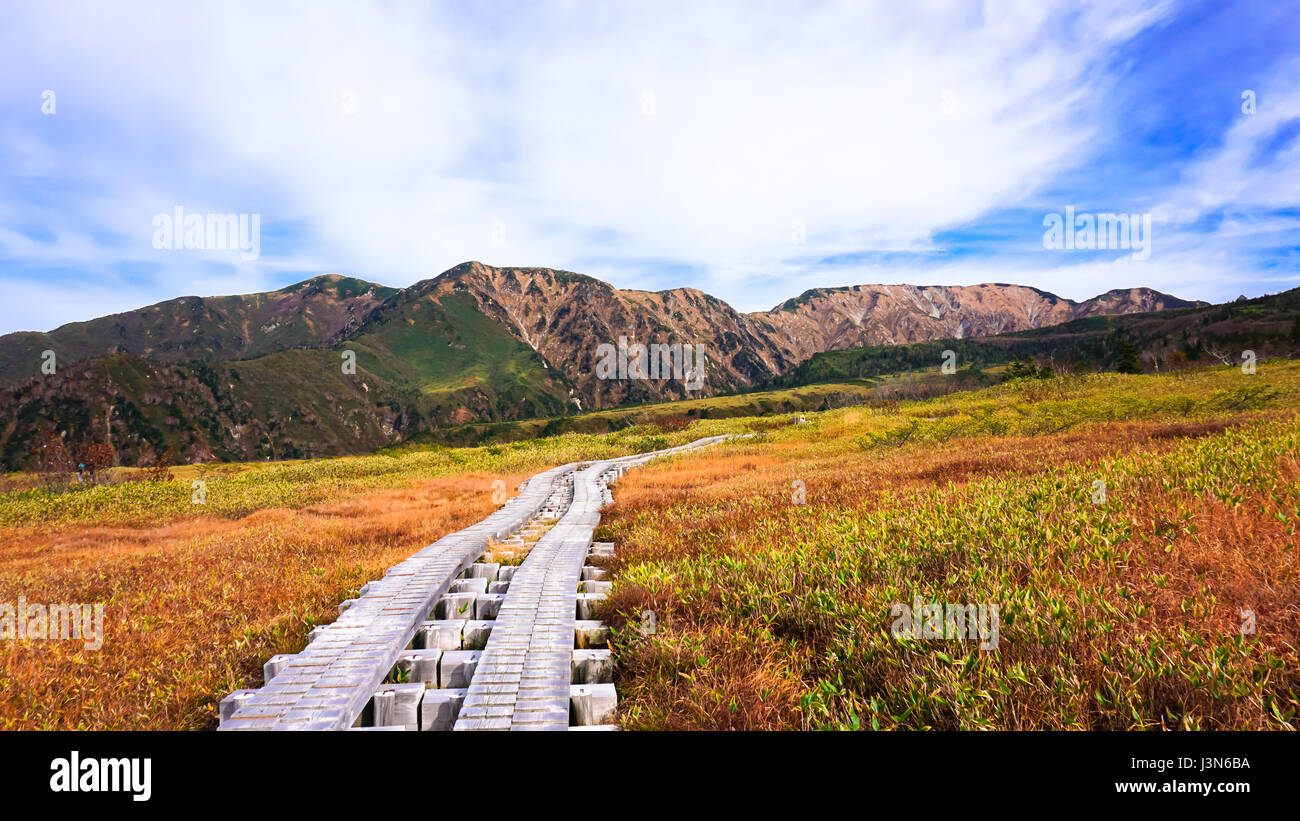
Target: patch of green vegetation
pixel 446 349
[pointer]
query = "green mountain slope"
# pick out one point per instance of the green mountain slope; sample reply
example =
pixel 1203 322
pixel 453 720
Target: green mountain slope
pixel 307 314
pixel 421 363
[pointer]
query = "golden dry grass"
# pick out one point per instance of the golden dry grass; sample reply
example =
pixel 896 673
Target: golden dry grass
pixel 193 607
pixel 774 615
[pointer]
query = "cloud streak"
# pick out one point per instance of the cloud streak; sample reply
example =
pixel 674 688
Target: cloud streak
pixel 730 147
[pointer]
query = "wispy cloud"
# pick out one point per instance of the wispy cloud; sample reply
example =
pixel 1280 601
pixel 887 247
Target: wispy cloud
pixel 750 150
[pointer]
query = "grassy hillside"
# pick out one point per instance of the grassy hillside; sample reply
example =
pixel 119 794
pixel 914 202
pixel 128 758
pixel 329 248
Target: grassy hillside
pixel 306 314
pixel 446 350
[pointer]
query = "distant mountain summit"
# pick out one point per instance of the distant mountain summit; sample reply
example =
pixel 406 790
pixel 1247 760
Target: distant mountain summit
pixel 304 315
pixel 564 316
pixel 830 319
pixel 263 376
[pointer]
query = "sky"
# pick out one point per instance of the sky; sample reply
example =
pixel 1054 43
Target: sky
pixel 752 150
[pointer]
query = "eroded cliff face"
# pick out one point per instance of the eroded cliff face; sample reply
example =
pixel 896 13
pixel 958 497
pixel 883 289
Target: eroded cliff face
pixel 565 317
pixel 829 319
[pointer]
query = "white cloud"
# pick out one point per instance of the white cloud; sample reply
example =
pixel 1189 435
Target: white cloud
pixel 876 125
pixel 1237 175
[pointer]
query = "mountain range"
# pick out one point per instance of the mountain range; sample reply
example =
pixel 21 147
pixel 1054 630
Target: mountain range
pixel 267 375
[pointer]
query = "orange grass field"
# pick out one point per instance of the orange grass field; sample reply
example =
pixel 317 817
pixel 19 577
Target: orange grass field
pixel 193 606
pixel 771 614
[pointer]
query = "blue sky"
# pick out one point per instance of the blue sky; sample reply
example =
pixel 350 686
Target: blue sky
pixel 750 150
